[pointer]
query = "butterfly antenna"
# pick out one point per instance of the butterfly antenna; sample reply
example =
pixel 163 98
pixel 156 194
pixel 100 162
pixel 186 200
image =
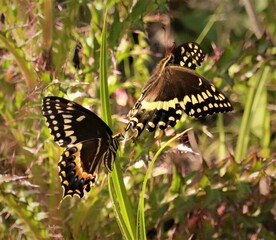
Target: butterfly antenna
pixel 60 202
pixel 170 49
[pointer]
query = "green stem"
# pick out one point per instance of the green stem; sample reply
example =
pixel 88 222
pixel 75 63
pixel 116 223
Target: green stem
pixel 117 191
pixel 141 226
pixel 211 22
pixel 257 85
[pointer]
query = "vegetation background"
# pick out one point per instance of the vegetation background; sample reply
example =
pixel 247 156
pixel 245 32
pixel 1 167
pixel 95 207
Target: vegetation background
pixel 215 182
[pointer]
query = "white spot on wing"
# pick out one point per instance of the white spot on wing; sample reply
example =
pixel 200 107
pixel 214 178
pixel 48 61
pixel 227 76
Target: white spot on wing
pixel 161 123
pixel 171 118
pixel 199 82
pixel 135 119
pixel 194 100
pixel 68 133
pixel 204 95
pixel 66 116
pixel 73 139
pixel 208 93
pixel 192 112
pixel 182 105
pixel 178 112
pixel 186 99
pixel 213 88
pixel 140 125
pixel 151 124
pixel 159 105
pixel 79 119
pixel 221 96
pixel 200 99
pixel 66 121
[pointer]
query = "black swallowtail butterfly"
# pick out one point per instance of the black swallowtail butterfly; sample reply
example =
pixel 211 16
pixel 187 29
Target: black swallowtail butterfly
pixel 175 87
pixel 88 141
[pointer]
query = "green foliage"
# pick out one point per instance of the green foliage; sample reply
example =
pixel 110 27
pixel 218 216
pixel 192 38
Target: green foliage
pixel 218 185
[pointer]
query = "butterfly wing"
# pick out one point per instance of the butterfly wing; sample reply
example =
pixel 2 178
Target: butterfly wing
pixel 70 123
pixel 176 90
pixel 188 55
pixel 79 162
pixel 88 141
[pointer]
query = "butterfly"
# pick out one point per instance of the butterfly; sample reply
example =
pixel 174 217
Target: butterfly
pixel 175 87
pixel 88 142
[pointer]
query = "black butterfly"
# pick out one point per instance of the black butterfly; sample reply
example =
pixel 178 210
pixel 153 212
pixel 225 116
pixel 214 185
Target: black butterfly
pixel 175 87
pixel 88 141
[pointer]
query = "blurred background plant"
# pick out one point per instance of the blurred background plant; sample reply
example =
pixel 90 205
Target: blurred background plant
pixel 215 182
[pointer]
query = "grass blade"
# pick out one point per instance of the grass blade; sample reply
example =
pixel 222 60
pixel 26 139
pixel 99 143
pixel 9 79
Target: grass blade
pixel 141 226
pixel 25 67
pixel 115 183
pixel 257 86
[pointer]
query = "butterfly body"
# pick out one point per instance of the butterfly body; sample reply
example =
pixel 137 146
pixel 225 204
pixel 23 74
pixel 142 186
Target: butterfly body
pixel 88 142
pixel 175 87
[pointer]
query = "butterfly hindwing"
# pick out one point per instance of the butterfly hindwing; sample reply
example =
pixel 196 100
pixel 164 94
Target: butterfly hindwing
pixel 79 163
pixel 74 178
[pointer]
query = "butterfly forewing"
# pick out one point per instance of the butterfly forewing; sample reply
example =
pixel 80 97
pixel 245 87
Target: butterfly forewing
pixel 88 141
pixel 188 55
pixel 70 123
